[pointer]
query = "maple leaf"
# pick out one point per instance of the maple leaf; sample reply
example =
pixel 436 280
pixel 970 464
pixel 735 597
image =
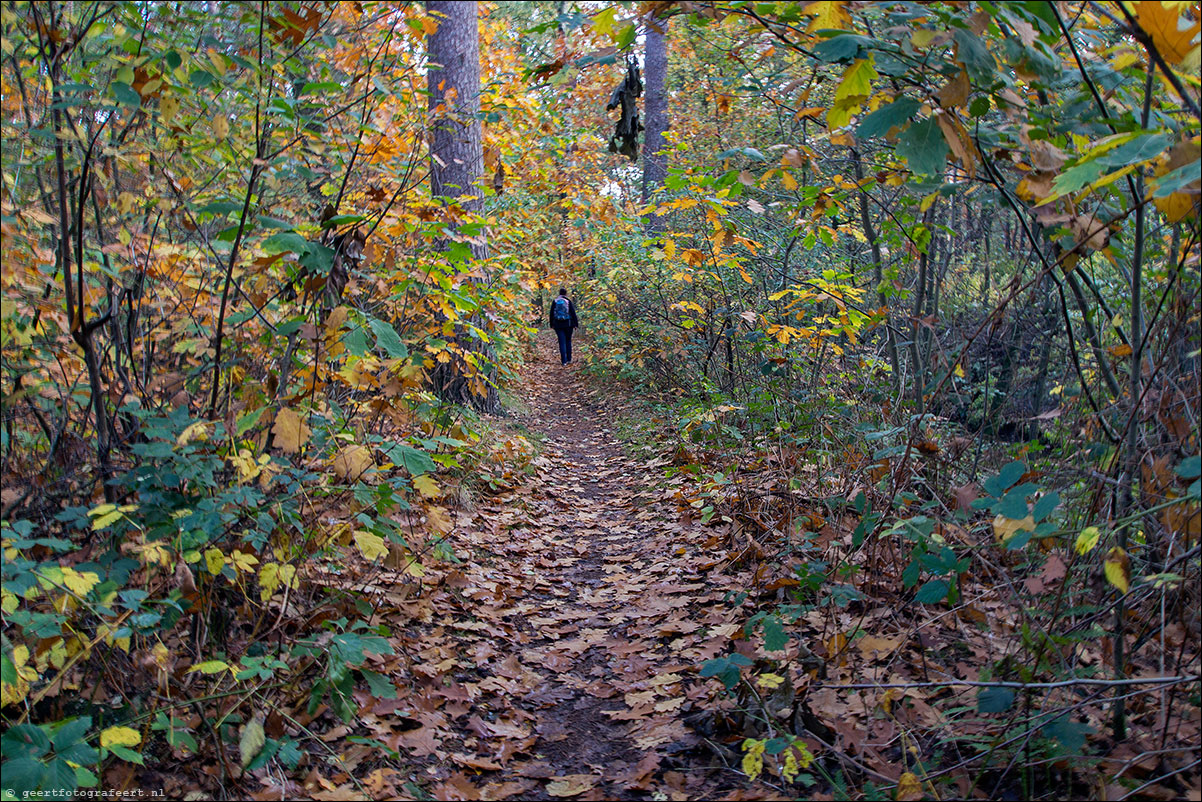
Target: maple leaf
pixel 1163 24
pixel 828 14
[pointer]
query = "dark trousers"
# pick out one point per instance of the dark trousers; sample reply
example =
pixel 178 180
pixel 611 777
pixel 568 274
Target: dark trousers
pixel 565 345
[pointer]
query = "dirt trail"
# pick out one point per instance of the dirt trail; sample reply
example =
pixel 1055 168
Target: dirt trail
pixel 567 666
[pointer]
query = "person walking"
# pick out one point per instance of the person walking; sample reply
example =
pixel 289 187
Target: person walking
pixel 563 320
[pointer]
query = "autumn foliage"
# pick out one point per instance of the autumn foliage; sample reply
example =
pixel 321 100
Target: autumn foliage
pixel 882 477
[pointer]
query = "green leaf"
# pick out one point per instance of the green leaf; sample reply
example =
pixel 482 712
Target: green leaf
pixel 342 220
pixel 976 57
pixel 220 207
pixel 843 47
pixel 775 637
pixel 626 37
pixel 60 777
pixel 286 242
pixel 1046 505
pixel 71 733
pixel 318 258
pixel 381 686
pixel 923 147
pixel 1068 733
pixel 1011 473
pixel 994 700
pixel 932 591
pixel 22 776
pixel 127 754
pixel 24 740
pixel 388 339
pixel 1013 505
pixel 892 115
pixel 413 459
pixel 1190 467
pixel 126 95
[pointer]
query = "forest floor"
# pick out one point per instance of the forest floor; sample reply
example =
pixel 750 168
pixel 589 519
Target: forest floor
pixel 558 658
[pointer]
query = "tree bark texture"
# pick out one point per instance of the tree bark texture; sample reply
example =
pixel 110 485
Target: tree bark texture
pixel 655 163
pixel 453 79
pixel 456 162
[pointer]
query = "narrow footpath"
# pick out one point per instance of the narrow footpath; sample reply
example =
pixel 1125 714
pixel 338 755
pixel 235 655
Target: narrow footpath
pixel 558 659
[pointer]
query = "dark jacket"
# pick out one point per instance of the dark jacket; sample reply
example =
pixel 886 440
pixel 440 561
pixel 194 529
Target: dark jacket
pixel 561 324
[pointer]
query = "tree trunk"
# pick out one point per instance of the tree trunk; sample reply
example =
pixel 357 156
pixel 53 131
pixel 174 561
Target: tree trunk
pixel 655 163
pixel 457 149
pixel 456 162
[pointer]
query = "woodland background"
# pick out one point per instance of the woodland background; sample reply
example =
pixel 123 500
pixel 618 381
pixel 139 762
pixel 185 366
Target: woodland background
pixel 908 295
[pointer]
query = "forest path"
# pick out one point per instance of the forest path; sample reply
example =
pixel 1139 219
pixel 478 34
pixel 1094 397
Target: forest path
pixel 566 666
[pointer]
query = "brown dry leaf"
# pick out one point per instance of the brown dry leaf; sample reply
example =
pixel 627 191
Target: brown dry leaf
pixel 1177 205
pixel 570 785
pixel 352 462
pixel 343 793
pixel 955 91
pixel 290 431
pixel 871 643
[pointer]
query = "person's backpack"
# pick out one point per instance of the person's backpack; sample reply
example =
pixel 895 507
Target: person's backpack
pixel 560 311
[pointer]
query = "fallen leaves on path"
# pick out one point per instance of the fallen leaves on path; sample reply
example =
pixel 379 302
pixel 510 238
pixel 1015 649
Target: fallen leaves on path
pixel 556 655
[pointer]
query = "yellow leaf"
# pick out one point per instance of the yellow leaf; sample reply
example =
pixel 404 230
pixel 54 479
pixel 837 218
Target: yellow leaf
pixel 370 545
pixel 1163 23
pixel 198 430
pixel 252 741
pixel 1177 205
pixel 221 126
pixel 603 23
pixel 214 560
pixel 909 787
pixel 1118 569
pixel 120 736
pixel 670 248
pixel 243 562
pixel 14 692
pixel 210 667
pixel 168 107
pixel 426 485
pixel 1087 539
pixel 269 580
pixel 1006 528
pixel 788 180
pixel 857 79
pixel 290 431
pixel 104 515
pixel 828 16
pixel 769 681
pixel 753 758
pixel 80 583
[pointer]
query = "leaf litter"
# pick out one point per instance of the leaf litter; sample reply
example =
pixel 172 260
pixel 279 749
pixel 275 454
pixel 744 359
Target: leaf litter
pixel 556 656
